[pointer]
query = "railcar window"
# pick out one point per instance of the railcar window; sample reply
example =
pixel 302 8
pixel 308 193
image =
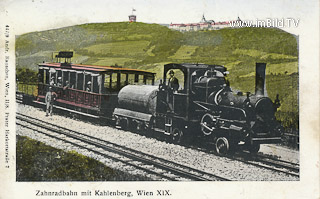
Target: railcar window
pixel 87 78
pixel 95 85
pixel 59 73
pixel 80 81
pixel 65 78
pixel 114 81
pixel 88 83
pixel 123 81
pixel 46 76
pixel 140 80
pixel 136 78
pixel 41 76
pixel 72 79
pixel 131 79
pixel 107 81
pixel 149 81
pixel 53 78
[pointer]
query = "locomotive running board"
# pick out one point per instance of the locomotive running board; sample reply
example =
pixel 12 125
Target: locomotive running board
pixel 161 131
pixel 132 114
pixel 266 140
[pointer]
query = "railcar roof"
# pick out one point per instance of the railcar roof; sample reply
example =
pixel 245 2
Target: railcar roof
pixel 93 68
pixel 193 65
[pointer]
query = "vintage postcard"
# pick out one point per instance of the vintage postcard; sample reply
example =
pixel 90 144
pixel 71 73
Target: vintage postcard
pixel 159 99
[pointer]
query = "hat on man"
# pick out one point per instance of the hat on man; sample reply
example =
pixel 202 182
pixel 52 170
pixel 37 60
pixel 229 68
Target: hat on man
pixel 171 72
pixel 89 82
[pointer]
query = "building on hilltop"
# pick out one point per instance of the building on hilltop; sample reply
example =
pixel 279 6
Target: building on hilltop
pixel 204 25
pixel 132 17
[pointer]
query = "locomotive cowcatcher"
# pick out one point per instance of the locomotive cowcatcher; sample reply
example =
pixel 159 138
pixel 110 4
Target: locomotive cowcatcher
pixel 199 104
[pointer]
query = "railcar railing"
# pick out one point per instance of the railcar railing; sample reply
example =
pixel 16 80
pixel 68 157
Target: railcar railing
pixel 75 96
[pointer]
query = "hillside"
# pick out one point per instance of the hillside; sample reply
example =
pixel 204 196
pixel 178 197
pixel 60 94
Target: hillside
pixel 149 46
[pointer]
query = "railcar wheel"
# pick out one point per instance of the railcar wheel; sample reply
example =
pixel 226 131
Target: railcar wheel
pixel 222 146
pixel 177 136
pixel 254 148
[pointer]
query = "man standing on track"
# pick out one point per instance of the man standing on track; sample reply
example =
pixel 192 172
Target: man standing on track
pixel 49 101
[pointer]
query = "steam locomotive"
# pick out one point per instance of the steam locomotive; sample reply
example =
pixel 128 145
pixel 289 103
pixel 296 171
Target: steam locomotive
pixel 202 106
pixel 195 103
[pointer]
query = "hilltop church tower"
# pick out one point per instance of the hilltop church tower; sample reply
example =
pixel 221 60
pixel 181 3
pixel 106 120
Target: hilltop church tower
pixel 203 20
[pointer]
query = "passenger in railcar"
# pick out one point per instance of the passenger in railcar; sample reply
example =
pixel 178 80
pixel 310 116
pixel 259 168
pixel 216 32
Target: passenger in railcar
pixel 59 83
pixel 67 85
pixel 52 83
pixel 88 89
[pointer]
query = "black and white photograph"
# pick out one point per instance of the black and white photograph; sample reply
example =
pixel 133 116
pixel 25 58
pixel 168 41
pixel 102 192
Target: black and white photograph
pixel 159 99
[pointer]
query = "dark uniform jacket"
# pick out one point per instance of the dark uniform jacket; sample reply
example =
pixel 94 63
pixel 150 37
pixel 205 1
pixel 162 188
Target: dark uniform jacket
pixel 173 83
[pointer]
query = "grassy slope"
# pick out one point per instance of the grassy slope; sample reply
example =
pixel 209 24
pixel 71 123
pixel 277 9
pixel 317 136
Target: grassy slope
pixel 149 46
pixel 39 162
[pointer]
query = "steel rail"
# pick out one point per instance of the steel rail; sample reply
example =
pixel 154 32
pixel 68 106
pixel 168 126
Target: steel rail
pixel 164 166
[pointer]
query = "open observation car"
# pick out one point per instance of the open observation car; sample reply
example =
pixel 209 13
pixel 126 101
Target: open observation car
pixel 87 89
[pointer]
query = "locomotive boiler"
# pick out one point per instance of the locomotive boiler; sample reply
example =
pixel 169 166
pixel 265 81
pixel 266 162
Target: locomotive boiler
pixel 200 104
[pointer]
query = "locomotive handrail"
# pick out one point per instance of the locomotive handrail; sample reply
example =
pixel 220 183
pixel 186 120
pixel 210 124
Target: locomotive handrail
pixel 239 109
pixel 177 93
pixel 202 105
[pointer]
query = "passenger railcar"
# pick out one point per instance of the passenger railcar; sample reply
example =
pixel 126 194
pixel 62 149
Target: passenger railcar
pixel 87 89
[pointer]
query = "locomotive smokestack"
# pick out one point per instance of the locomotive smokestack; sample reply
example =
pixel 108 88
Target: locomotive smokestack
pixel 260 78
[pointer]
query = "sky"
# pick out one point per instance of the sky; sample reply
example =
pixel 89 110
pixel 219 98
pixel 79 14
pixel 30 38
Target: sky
pixel 37 15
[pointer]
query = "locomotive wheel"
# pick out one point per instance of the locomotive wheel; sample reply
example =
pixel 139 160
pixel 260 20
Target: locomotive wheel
pixel 254 148
pixel 207 124
pixel 177 136
pixel 222 146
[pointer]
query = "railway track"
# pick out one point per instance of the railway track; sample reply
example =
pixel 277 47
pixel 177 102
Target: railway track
pixel 270 163
pixel 160 168
pixel 260 160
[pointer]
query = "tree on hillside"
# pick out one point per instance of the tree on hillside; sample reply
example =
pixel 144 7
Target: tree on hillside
pixel 26 75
